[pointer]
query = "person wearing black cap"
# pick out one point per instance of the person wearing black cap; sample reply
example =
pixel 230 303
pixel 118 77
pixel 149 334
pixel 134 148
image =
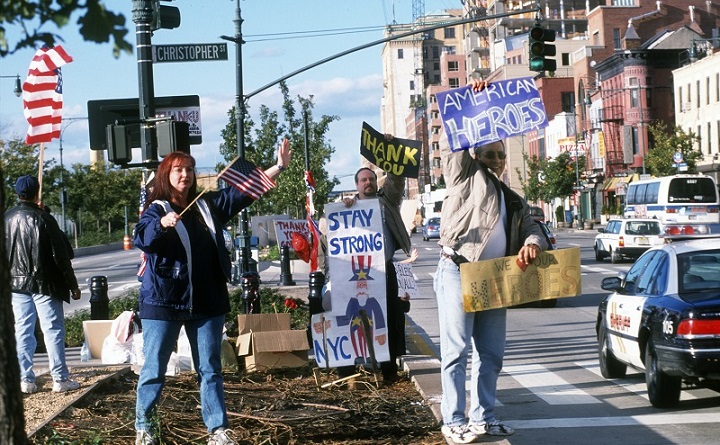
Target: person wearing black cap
pixel 42 278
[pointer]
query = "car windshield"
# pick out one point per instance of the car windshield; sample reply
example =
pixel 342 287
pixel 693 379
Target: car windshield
pixel 642 228
pixel 699 271
pixel 434 222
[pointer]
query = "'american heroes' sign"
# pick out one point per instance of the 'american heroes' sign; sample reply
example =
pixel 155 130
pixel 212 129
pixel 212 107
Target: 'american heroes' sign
pixel 401 157
pixel 505 108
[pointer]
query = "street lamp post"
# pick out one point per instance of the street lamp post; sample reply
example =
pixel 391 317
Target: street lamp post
pixel 63 192
pixel 18 84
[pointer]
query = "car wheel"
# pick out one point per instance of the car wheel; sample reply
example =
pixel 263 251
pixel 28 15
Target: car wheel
pixel 610 367
pixel 615 256
pixel 552 302
pixel 598 255
pixel 663 390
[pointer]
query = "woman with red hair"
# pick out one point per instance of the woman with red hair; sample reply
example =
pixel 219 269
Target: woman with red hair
pixel 185 284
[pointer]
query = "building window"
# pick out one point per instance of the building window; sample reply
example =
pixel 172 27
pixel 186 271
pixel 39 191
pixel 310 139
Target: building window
pixel 635 140
pixel 565 59
pixel 634 98
pixel 648 97
pixel 697 93
pixel 449 50
pixel 453 65
pixel 567 100
pixel 437 162
pixel 436 66
pixel 436 78
pixel 680 104
pixel 707 90
pixel 433 99
pixel 435 52
pixel 435 130
pixel 412 85
pixel 449 33
pixel 709 144
pixel 616 38
pixel 400 53
pixel 436 145
pixel 454 82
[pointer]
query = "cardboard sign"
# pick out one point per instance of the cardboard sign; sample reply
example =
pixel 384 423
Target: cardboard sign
pixel 505 108
pixel 356 327
pixel 503 282
pixel 400 157
pixel 284 229
pixel 407 287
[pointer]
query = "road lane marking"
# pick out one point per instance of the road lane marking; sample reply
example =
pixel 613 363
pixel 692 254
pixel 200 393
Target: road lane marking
pixel 599 422
pixel 637 388
pixel 549 386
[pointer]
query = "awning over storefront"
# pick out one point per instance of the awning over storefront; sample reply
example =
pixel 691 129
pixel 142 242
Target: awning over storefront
pixel 609 184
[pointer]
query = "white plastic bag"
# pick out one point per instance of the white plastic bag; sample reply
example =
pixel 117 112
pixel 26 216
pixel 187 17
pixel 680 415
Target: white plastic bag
pixel 117 347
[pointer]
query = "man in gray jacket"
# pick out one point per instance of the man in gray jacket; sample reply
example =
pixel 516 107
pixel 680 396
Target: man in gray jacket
pixel 481 220
pixel 42 277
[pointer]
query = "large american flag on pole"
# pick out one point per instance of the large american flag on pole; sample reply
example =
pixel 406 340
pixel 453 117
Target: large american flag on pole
pixel 42 94
pixel 246 177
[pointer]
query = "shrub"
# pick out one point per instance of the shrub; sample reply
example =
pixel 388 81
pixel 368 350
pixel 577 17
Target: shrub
pixel 74 335
pixel 272 301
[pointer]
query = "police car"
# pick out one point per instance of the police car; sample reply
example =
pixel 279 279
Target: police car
pixel 663 317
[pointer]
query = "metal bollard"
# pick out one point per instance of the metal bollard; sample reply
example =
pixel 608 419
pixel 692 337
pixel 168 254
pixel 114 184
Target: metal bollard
pixel 286 278
pixel 250 283
pixel 317 281
pixel 99 301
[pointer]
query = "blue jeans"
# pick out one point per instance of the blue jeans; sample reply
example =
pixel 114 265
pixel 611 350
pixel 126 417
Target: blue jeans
pixel 485 331
pixel 159 339
pixel 27 309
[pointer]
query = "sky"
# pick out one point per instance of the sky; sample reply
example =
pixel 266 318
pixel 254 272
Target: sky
pixel 349 87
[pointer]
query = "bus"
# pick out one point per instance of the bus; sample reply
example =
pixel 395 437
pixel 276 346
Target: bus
pixel 684 204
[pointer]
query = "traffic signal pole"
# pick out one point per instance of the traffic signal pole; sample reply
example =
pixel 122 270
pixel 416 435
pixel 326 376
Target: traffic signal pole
pixel 142 17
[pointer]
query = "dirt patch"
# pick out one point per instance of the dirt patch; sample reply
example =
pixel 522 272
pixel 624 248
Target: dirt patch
pixel 279 407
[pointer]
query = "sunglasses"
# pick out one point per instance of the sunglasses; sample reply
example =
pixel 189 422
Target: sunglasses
pixel 491 154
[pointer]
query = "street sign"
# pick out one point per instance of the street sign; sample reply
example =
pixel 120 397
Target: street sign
pixel 191 52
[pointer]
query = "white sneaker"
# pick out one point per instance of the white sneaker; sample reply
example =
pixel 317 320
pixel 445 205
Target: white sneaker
pixel 65 385
pixel 459 433
pixel 494 428
pixel 221 437
pixel 28 387
pixel 144 438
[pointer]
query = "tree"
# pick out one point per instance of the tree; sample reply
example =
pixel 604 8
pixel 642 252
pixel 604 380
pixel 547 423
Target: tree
pixel 261 149
pixel 18 159
pixel 659 160
pixel 28 18
pixel 550 178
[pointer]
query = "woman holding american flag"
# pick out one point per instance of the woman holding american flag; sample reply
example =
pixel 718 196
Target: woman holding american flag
pixel 185 281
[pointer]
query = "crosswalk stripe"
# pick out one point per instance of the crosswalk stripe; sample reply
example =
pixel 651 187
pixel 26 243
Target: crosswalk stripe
pixel 549 386
pixel 637 388
pixel 594 422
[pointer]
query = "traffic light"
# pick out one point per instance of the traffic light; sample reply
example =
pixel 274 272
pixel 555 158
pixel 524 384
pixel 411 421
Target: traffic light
pixel 539 49
pixel 166 17
pixel 118 143
pixel 172 136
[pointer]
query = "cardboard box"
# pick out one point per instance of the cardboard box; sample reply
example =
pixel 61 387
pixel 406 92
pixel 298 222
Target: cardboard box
pixel 266 341
pixel 95 332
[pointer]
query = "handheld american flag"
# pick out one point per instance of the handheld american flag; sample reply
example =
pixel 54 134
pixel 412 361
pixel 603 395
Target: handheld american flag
pixel 247 178
pixel 42 94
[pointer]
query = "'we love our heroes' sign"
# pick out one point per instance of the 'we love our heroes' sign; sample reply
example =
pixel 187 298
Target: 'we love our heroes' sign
pixel 505 108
